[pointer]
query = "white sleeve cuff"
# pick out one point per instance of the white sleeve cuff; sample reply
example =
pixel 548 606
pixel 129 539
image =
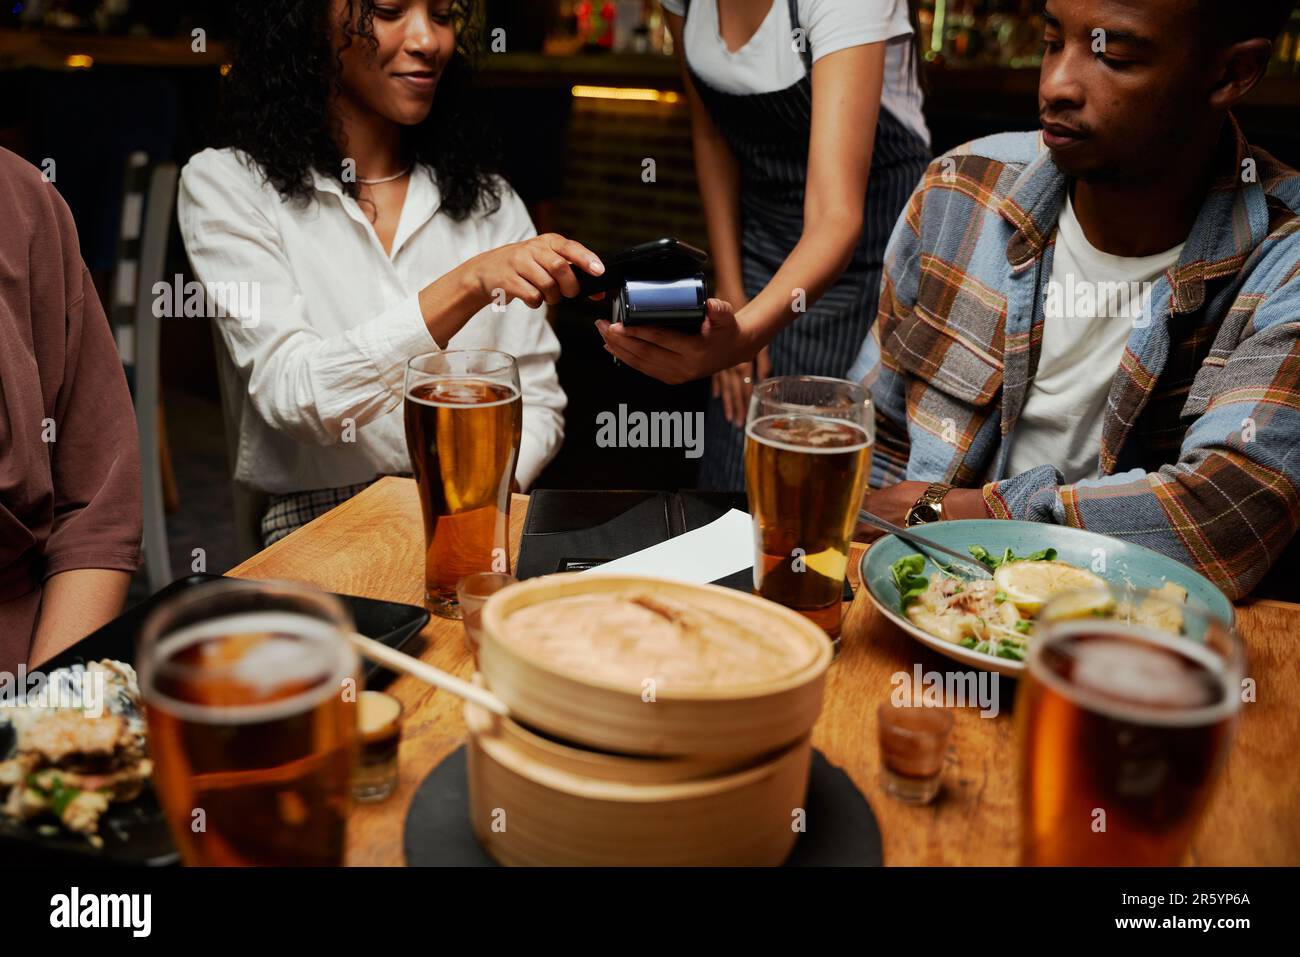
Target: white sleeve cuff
pixel 530 463
pixel 542 434
pixel 391 339
pixel 533 456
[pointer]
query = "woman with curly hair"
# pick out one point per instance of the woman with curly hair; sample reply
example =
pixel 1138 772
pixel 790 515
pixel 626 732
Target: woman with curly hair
pixel 354 207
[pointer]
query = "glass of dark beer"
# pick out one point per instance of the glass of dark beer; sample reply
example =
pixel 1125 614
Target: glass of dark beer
pixel 464 420
pixel 808 446
pixel 1125 716
pixel 250 690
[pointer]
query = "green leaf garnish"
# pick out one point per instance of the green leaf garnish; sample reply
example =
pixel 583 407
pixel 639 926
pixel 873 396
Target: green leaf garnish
pixel 1046 555
pixel 61 797
pixel 993 562
pixel 911 584
pixel 56 792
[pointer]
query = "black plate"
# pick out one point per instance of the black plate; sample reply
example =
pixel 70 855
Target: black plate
pixel 136 833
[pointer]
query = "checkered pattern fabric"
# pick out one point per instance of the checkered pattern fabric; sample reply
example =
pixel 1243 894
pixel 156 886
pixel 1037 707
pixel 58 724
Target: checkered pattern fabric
pixel 288 513
pixel 1200 449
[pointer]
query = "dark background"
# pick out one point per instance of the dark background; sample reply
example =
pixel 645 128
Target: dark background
pixel 576 162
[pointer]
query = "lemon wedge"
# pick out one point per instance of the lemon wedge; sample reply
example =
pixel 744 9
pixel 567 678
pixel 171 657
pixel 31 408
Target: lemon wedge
pixel 1098 603
pixel 829 562
pixel 1028 585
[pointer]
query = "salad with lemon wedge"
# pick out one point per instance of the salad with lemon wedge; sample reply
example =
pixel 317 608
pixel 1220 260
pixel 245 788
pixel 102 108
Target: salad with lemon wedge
pixel 997 617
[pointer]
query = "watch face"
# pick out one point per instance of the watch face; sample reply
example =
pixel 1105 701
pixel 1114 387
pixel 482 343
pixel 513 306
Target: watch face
pixel 922 513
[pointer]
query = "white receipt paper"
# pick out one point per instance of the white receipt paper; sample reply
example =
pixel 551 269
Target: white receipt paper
pixel 713 551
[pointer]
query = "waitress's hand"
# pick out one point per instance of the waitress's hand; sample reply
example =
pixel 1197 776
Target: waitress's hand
pixel 676 357
pixel 735 385
pixel 535 271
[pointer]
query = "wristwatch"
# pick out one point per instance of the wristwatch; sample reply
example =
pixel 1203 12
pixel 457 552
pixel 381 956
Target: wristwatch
pixel 929 507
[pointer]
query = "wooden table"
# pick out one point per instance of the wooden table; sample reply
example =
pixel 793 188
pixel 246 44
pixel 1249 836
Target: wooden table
pixel 373 546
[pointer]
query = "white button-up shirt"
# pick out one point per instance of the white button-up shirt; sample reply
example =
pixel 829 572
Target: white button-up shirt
pixel 322 321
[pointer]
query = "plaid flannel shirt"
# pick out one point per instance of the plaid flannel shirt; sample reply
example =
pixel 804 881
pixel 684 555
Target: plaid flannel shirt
pixel 1200 448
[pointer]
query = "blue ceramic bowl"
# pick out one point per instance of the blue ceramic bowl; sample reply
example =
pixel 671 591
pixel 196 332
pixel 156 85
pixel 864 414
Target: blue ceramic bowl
pixel 1124 566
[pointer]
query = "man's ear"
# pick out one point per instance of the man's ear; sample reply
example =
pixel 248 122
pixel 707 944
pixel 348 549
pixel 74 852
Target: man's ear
pixel 1241 67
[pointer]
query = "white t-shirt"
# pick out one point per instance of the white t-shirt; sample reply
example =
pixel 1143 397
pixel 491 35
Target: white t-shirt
pixel 1094 300
pixel 769 61
pixel 321 340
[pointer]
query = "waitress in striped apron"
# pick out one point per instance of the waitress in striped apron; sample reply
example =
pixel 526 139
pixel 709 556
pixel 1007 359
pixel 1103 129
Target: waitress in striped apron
pixel 809 138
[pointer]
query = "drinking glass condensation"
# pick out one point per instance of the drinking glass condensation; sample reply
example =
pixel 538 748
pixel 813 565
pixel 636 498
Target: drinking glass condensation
pixel 1123 730
pixel 250 693
pixel 464 419
pixel 807 456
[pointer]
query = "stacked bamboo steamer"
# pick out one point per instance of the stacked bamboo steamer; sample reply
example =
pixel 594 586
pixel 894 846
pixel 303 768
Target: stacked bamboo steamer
pixel 650 723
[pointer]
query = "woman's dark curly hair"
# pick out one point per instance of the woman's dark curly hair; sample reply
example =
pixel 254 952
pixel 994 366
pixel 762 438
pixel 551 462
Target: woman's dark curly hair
pixel 277 102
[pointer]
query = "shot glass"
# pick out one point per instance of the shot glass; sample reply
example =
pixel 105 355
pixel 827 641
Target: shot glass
pixel 473 591
pixel 913 741
pixel 379 722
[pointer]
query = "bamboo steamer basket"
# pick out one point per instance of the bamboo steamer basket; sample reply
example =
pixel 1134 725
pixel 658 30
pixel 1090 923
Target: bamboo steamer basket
pixel 733 720
pixel 535 801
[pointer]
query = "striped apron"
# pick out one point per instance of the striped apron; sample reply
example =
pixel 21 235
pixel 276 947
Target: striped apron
pixel 769 134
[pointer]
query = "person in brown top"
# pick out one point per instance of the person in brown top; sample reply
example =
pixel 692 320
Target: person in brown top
pixel 70 512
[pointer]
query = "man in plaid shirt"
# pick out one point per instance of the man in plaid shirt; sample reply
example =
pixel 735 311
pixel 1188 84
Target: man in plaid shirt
pixel 976 370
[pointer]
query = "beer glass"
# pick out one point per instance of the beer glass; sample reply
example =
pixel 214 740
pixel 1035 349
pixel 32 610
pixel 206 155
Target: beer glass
pixel 464 419
pixel 250 691
pixel 808 446
pixel 1123 726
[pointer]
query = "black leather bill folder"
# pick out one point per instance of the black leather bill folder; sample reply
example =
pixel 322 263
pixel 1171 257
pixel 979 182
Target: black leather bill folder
pixel 573 530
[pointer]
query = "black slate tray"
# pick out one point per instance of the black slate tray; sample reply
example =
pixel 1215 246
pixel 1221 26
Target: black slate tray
pixel 136 833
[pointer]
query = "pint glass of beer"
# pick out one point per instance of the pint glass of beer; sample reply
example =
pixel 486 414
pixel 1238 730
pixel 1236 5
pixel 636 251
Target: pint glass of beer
pixel 807 456
pixel 250 690
pixel 464 419
pixel 1124 721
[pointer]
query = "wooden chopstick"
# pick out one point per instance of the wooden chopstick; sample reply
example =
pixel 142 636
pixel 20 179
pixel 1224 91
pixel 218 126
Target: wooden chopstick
pixel 407 665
